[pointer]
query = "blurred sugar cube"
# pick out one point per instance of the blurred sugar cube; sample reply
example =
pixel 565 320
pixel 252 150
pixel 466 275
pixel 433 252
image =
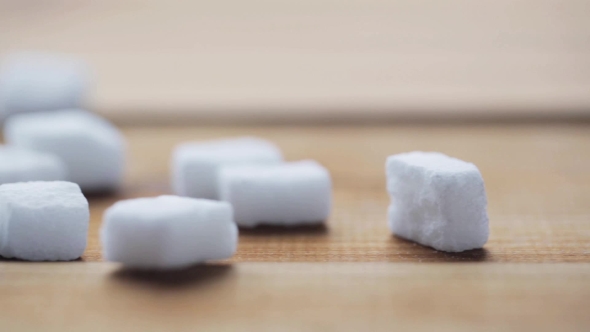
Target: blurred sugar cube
pixel 285 194
pixel 168 232
pixel 42 82
pixel 195 165
pixel 92 149
pixel 22 165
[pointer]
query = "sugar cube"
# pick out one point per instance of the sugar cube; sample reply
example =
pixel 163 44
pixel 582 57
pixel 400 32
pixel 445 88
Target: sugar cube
pixel 168 232
pixel 195 165
pixel 285 194
pixel 92 149
pixel 22 165
pixel 437 201
pixel 42 82
pixel 43 221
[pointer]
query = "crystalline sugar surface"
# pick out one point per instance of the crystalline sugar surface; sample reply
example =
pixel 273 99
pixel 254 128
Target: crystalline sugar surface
pixel 437 201
pixel 43 221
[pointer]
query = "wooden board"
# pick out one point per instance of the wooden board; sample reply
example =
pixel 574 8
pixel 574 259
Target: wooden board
pixel 297 297
pixel 536 178
pixel 352 274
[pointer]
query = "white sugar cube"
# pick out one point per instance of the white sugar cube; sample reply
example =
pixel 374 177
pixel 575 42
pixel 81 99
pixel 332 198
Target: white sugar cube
pixel 437 201
pixel 285 194
pixel 195 165
pixel 42 82
pixel 22 165
pixel 43 221
pixel 168 232
pixel 92 149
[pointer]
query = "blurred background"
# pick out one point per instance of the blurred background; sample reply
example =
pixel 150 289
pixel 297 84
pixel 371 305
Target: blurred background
pixel 331 61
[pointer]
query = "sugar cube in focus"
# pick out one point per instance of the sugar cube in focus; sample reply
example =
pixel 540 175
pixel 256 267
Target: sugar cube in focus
pixel 43 221
pixel 437 201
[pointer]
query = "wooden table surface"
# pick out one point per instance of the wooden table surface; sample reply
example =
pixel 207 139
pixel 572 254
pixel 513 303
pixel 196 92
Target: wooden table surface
pixel 534 272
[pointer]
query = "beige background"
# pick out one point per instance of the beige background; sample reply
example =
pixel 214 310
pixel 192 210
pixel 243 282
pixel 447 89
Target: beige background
pixel 329 60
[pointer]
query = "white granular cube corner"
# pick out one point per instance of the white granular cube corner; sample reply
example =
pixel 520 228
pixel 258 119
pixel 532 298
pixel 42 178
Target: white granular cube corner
pixel 288 194
pixel 195 165
pixel 437 201
pixel 168 232
pixel 36 81
pixel 43 221
pixel 92 149
pixel 23 165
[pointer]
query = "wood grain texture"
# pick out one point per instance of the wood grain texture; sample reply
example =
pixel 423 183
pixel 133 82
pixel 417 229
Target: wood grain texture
pixel 351 275
pixel 297 297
